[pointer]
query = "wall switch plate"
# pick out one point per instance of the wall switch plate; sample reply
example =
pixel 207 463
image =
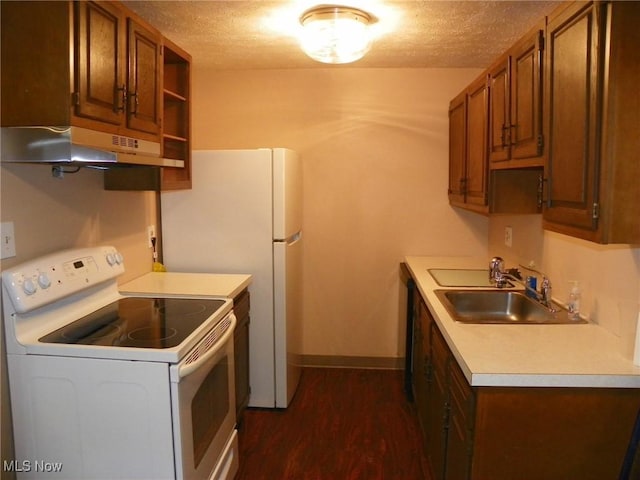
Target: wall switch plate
pixel 508 236
pixel 151 234
pixel 8 240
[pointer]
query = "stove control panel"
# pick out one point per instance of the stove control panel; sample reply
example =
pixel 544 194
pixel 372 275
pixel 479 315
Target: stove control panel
pixel 50 278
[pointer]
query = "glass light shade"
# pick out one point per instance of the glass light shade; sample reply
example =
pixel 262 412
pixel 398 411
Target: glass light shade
pixel 334 34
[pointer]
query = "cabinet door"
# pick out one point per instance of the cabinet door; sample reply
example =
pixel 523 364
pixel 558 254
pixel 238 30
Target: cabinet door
pixel 438 408
pixel 572 116
pixel 144 101
pixel 422 362
pixel 461 421
pixel 477 115
pixel 457 148
pixel 499 111
pixel 526 101
pixel 100 56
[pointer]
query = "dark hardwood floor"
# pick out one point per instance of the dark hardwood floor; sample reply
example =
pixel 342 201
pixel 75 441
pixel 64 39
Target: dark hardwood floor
pixel 343 424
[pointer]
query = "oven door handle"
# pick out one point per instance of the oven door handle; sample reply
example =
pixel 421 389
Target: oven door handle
pixel 190 367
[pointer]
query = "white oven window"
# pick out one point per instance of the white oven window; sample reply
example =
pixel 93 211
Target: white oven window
pixel 209 408
pixel 203 403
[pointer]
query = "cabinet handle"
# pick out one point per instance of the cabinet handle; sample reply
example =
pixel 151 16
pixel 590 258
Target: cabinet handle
pixel 541 199
pixel 507 135
pixel 134 95
pixel 121 99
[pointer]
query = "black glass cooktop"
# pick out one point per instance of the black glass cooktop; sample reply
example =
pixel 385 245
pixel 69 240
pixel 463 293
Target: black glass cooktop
pixel 138 322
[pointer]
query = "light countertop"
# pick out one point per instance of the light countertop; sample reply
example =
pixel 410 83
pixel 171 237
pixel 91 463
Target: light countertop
pixel 579 355
pixel 190 284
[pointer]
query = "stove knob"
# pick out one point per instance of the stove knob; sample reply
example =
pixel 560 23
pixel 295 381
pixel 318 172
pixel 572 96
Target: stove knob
pixel 29 286
pixel 44 281
pixel 111 259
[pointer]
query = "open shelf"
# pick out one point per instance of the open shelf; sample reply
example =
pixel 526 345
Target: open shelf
pixel 176 124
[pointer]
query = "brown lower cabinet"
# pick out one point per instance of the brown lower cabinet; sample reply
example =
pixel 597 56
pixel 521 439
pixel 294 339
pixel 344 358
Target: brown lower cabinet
pixel 514 433
pixel 241 307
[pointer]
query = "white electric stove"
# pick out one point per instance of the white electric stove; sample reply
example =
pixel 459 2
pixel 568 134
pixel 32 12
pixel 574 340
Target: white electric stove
pixel 112 386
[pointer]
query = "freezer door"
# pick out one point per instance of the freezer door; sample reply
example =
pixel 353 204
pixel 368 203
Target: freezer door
pixel 288 317
pixel 287 193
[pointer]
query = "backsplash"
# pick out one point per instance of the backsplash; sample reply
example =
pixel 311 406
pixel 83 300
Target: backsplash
pixel 51 214
pixel 609 275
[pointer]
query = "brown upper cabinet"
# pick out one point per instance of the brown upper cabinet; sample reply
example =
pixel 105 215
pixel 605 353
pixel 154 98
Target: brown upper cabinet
pixel 89 64
pixel 144 93
pixel 457 148
pixel 100 45
pixel 476 169
pixel 468 171
pixel 495 134
pixel 96 65
pixel 176 131
pixel 592 122
pixel 472 185
pixel 515 108
pixel 563 123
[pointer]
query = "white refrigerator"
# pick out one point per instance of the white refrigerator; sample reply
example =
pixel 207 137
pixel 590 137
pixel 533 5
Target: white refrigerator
pixel 244 215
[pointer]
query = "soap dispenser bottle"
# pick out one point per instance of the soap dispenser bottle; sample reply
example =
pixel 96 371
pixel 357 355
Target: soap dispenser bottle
pixel 574 301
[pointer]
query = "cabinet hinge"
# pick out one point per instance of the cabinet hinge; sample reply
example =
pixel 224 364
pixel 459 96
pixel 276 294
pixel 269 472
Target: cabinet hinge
pixel 596 210
pixel 541 41
pixel 75 98
pixel 540 141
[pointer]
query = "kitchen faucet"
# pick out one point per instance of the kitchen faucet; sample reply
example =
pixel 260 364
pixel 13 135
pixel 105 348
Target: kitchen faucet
pixel 496 271
pixel 499 276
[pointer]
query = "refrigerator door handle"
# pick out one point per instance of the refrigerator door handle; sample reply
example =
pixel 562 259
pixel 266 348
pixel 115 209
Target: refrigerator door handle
pixel 296 237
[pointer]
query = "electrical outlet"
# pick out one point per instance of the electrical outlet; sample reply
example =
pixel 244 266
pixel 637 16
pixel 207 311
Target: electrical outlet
pixel 508 236
pixel 151 234
pixel 8 240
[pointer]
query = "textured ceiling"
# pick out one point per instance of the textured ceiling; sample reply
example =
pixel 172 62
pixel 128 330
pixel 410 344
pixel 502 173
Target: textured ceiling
pixel 260 34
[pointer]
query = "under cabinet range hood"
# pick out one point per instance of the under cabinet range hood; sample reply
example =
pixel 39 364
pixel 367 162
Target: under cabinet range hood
pixel 79 147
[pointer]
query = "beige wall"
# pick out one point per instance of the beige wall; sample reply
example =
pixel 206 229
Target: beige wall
pixel 51 214
pixel 609 275
pixel 375 152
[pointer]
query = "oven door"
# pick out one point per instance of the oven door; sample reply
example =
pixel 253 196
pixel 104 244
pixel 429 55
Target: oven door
pixel 203 403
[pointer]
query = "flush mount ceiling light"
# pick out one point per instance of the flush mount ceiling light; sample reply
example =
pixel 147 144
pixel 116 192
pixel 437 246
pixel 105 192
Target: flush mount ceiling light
pixel 336 34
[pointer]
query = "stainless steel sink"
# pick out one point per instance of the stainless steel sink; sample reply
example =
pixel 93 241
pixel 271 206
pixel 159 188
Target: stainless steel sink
pixel 500 306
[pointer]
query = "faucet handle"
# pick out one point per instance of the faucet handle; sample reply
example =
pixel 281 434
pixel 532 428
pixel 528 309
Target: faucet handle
pixel 546 284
